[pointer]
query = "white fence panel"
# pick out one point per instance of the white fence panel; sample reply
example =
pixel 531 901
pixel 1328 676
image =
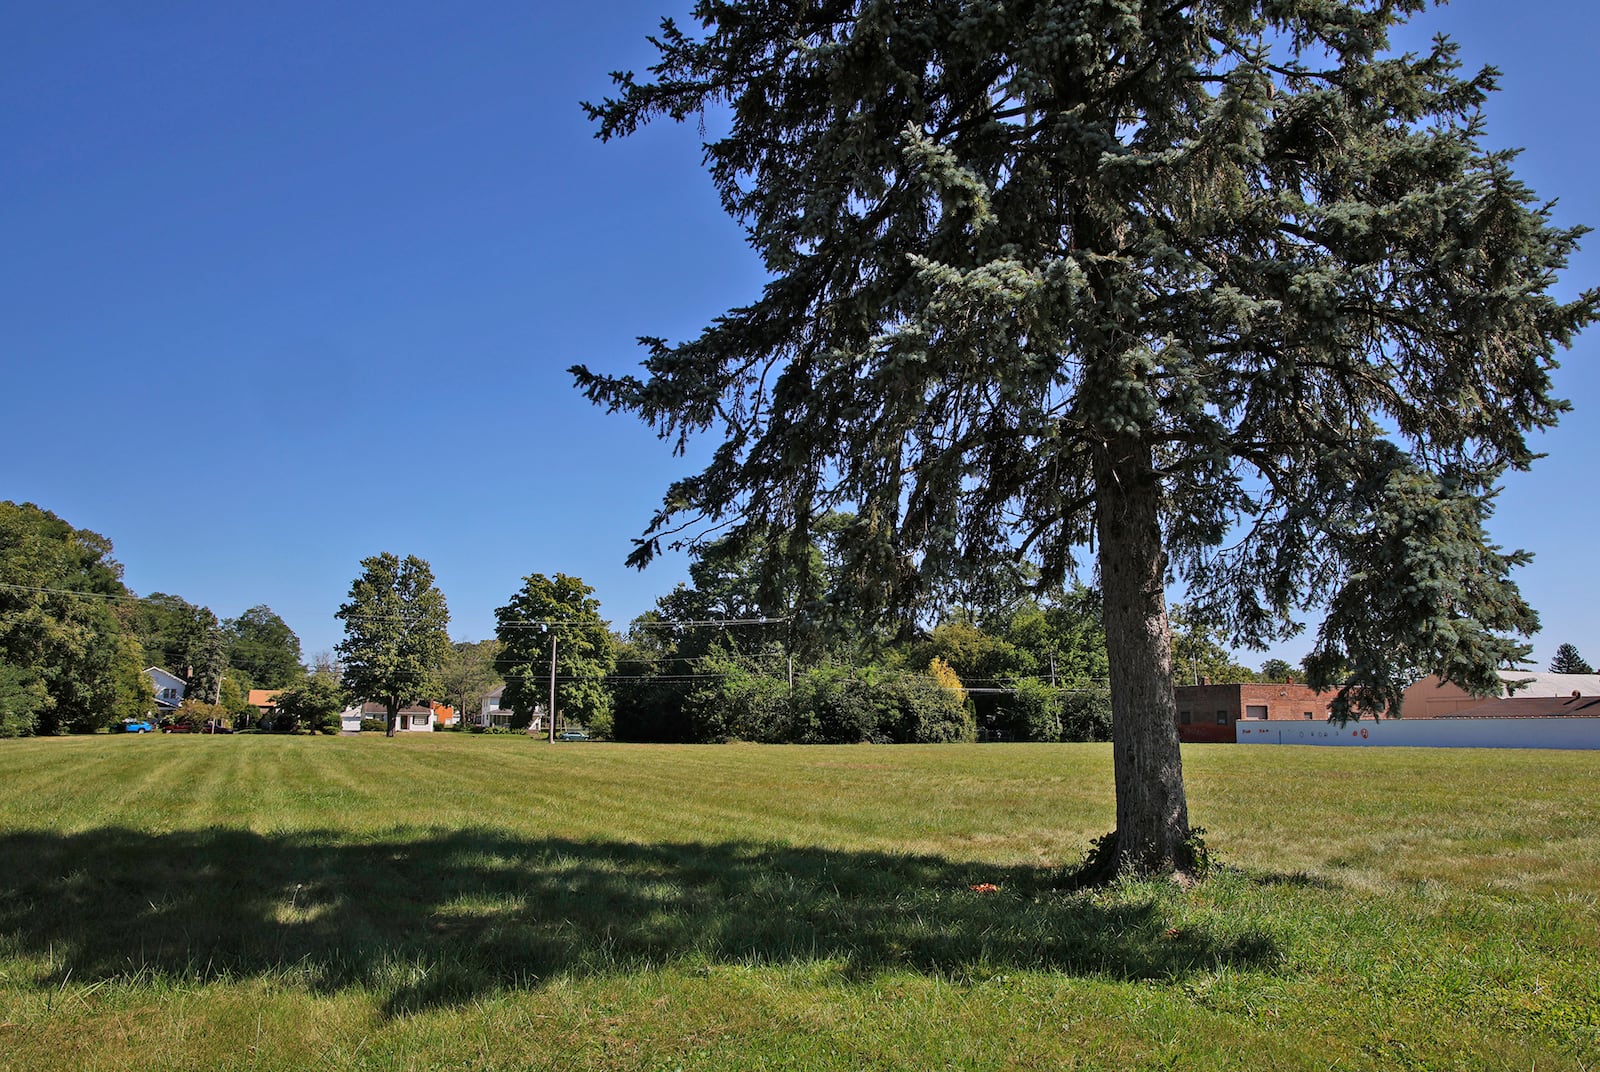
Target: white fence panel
pixel 1553 732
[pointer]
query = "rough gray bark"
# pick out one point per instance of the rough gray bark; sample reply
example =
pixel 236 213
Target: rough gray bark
pixel 1152 832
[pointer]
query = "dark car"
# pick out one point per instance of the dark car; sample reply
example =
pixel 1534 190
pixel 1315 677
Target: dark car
pixel 572 735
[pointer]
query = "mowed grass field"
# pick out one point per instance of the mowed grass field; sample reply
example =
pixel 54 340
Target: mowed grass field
pixel 456 902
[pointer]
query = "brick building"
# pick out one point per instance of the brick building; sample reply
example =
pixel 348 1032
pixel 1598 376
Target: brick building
pixel 1210 713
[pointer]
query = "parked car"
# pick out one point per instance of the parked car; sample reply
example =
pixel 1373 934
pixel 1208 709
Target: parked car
pixel 214 725
pixel 176 725
pixel 135 725
pixel 572 735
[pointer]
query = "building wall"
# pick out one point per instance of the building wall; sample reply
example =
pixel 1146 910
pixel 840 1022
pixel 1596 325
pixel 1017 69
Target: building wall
pixel 1215 711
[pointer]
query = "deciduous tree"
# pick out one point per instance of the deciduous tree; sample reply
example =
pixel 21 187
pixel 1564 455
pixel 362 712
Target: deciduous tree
pixel 396 633
pixel 561 609
pixel 1133 275
pixel 470 672
pixel 313 702
pixel 74 665
pixel 263 647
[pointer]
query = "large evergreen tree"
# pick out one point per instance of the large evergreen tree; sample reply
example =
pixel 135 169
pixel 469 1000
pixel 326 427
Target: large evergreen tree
pixel 396 633
pixel 1133 275
pixel 1568 661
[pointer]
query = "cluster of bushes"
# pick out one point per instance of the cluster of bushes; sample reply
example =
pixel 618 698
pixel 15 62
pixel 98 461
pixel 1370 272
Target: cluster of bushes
pixel 1035 711
pixel 733 698
pixel 827 705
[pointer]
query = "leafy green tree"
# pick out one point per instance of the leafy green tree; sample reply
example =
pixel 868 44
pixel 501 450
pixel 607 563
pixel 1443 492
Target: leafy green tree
pixel 558 614
pixel 470 673
pixel 1197 652
pixel 185 640
pixel 650 684
pixel 205 657
pixel 1062 638
pixel 977 656
pixel 1086 714
pixel 234 699
pixel 1138 276
pixel 1275 670
pixel 1031 712
pixel 263 647
pixel 1568 661
pixel 737 698
pixel 313 702
pixel 73 664
pixel 21 697
pixel 396 634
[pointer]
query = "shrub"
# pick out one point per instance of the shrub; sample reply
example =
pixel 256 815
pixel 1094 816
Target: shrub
pixel 924 709
pixel 1031 712
pixel 740 702
pixel 1086 714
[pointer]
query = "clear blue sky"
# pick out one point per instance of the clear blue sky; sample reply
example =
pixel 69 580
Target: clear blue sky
pixel 287 285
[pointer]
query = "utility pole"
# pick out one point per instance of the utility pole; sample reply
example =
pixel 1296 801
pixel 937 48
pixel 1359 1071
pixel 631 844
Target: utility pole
pixel 552 686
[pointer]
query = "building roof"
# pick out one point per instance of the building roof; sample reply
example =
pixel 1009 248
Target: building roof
pixel 1533 706
pixel 1524 683
pixel 371 708
pixel 263 697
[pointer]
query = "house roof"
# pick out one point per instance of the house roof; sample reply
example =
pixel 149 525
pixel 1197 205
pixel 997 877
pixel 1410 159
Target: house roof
pixel 495 694
pixel 263 697
pixel 1533 707
pixel 153 670
pixel 374 709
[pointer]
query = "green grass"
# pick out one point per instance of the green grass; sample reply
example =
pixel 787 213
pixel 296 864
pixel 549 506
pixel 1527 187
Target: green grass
pixel 484 903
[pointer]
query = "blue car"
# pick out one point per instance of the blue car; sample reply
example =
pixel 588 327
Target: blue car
pixel 135 725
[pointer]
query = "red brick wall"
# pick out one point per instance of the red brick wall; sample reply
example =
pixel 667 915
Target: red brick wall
pixel 1283 703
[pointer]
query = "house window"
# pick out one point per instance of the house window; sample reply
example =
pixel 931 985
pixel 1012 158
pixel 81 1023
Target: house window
pixel 1222 718
pixel 1310 716
pixel 1256 711
pixel 1184 718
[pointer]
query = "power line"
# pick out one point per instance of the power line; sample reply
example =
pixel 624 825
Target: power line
pixel 67 592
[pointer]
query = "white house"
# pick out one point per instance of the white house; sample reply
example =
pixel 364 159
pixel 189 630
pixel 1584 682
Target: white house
pixel 169 689
pixel 493 714
pixel 418 718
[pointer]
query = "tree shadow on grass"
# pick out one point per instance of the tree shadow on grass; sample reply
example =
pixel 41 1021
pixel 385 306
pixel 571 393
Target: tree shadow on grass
pixel 426 918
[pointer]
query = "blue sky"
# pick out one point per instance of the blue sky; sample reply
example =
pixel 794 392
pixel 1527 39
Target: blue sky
pixel 287 285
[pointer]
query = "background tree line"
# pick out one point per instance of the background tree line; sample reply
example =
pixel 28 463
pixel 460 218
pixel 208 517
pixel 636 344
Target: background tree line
pixel 75 640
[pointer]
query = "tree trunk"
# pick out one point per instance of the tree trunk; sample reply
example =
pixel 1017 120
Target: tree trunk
pixel 1152 834
pixel 392 709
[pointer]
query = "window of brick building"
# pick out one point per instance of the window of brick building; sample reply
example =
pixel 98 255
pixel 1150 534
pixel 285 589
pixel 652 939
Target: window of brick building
pixel 1222 718
pixel 1256 711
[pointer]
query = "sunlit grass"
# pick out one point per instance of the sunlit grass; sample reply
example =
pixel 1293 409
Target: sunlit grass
pixel 495 902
